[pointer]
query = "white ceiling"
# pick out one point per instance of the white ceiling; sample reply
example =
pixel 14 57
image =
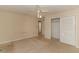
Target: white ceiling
pixel 32 9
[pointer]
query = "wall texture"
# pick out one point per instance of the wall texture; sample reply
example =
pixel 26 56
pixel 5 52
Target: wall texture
pixel 14 26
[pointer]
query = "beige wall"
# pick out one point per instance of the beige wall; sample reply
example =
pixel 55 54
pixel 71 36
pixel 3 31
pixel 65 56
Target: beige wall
pixel 74 12
pixel 47 27
pixel 30 27
pixel 14 26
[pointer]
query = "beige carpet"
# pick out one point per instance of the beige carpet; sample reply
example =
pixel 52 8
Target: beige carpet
pixel 39 45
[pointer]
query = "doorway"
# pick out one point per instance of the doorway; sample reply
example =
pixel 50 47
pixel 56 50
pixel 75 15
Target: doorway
pixel 55 27
pixel 39 27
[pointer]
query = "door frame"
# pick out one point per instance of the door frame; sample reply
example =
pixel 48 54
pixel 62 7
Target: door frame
pixel 38 27
pixel 51 25
pixel 75 43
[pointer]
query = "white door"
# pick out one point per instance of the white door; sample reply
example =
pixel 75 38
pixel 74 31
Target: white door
pixel 56 28
pixel 67 30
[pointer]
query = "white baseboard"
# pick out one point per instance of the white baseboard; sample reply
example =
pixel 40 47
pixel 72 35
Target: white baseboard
pixel 17 39
pixel 77 46
pixel 67 43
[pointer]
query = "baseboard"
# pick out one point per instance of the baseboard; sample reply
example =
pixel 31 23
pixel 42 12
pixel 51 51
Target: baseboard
pixel 17 39
pixel 47 38
pixel 77 46
pixel 67 43
pixel 55 38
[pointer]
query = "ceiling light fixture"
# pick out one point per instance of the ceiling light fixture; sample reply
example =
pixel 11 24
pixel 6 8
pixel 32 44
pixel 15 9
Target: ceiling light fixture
pixel 39 12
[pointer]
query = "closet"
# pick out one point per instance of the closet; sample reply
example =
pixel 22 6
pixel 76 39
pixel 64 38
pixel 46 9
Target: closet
pixel 64 29
pixel 68 30
pixel 55 23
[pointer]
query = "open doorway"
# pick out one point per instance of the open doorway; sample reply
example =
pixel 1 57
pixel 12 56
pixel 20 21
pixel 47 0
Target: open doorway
pixel 39 27
pixel 55 28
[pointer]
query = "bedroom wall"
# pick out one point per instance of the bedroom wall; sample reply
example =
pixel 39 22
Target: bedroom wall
pixel 15 26
pixel 47 27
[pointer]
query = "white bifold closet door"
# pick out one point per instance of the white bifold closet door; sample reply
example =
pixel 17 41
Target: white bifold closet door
pixel 56 28
pixel 67 30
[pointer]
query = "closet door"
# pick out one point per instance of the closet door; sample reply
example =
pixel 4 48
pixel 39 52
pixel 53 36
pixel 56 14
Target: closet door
pixel 56 28
pixel 67 30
